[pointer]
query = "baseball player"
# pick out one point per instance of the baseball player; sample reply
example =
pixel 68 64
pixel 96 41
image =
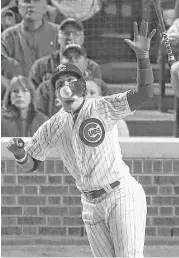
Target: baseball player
pixel 84 133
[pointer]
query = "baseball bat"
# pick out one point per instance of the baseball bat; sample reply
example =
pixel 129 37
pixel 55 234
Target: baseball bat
pixel 171 58
pixel 20 142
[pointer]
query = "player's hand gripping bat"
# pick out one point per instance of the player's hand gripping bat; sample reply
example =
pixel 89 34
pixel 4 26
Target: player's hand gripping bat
pixel 171 58
pixel 16 146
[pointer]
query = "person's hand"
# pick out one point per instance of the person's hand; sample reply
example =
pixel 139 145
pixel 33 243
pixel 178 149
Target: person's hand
pixel 141 43
pixel 16 146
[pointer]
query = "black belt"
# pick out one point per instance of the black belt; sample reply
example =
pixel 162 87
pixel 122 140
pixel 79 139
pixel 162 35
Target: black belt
pixel 97 193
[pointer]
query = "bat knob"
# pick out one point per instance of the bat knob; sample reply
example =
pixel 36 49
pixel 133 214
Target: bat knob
pixel 20 143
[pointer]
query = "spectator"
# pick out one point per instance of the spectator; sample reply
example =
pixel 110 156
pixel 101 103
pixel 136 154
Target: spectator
pixel 12 10
pixel 97 88
pixel 19 116
pixel 8 18
pixel 9 69
pixel 47 100
pixel 31 39
pixel 76 54
pixel 71 31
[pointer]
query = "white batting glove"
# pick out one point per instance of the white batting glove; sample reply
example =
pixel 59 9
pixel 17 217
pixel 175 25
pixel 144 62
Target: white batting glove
pixel 141 43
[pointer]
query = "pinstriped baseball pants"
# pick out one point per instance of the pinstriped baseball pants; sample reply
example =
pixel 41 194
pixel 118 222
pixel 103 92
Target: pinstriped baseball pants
pixel 115 223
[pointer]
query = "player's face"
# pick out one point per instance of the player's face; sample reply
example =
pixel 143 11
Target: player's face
pixel 32 10
pixel 92 90
pixel 70 34
pixel 20 97
pixel 71 104
pixel 77 59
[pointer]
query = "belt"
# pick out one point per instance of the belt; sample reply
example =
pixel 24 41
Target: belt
pixel 97 193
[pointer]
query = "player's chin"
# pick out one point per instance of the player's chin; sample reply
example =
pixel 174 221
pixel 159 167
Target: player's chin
pixel 67 104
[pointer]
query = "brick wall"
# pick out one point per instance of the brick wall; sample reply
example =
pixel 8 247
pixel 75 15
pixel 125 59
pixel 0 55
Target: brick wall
pixel 48 203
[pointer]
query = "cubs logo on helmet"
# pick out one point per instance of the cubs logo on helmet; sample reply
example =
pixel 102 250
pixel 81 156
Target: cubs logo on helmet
pixel 61 67
pixel 92 132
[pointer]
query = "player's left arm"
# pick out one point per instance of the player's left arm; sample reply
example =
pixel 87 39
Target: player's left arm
pixel 141 46
pixel 114 107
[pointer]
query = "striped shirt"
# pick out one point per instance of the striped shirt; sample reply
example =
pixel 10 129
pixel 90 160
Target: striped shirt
pixel 89 148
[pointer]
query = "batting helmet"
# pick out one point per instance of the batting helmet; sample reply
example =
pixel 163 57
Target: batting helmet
pixel 69 69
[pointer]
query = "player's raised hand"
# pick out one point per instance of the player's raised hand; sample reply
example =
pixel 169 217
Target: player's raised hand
pixel 16 146
pixel 141 43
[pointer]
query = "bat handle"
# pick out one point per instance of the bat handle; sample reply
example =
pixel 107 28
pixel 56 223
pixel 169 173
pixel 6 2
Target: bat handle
pixel 20 143
pixel 171 58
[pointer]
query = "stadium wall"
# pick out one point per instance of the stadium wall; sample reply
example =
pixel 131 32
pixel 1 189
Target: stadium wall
pixel 47 202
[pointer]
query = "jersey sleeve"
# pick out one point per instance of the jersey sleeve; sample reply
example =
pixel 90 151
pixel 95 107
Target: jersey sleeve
pixel 41 142
pixel 114 107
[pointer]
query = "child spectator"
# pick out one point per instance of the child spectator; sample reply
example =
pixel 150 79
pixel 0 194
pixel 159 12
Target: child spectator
pixel 19 117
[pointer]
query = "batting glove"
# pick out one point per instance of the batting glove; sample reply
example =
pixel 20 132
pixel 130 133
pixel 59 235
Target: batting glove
pixel 16 146
pixel 141 43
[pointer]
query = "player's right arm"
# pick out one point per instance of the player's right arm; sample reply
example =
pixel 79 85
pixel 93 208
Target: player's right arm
pixel 30 156
pixel 28 163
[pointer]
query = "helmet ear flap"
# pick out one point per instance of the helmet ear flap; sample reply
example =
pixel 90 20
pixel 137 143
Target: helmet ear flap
pixel 82 83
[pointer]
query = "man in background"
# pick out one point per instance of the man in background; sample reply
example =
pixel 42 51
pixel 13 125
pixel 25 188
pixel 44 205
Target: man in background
pixel 47 99
pixel 70 31
pixel 31 39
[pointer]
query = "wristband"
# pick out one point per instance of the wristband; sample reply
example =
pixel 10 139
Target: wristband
pixel 145 76
pixel 21 160
pixel 26 163
pixel 142 54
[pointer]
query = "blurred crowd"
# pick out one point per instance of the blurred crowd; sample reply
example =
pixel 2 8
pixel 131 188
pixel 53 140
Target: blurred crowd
pixel 36 38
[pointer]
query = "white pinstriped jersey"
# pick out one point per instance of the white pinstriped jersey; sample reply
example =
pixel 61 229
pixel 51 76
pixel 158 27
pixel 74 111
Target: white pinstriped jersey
pixel 89 148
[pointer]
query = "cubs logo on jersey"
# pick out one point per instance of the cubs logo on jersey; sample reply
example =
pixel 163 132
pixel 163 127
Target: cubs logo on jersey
pixel 92 132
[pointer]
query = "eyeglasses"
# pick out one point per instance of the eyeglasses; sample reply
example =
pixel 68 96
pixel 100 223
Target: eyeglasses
pixel 68 33
pixel 60 84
